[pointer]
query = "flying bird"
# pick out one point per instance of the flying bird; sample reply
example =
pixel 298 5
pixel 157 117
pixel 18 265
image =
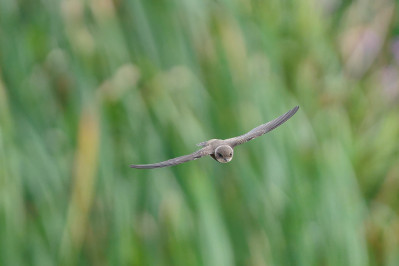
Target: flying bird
pixel 222 150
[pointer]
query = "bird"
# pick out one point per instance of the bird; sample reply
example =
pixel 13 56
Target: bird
pixel 222 150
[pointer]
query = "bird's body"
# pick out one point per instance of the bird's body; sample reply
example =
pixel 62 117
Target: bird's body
pixel 222 150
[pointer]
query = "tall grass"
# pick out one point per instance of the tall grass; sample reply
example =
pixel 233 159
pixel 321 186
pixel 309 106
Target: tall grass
pixel 89 87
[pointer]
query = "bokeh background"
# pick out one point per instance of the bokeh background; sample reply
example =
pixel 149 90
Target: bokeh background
pixel 89 87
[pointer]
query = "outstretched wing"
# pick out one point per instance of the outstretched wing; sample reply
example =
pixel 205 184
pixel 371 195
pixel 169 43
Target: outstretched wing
pixel 182 159
pixel 262 129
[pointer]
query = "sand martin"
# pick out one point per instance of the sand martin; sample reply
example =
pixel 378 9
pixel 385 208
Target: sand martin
pixel 222 150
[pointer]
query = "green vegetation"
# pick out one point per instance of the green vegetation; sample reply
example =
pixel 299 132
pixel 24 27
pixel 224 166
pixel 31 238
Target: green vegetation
pixel 89 87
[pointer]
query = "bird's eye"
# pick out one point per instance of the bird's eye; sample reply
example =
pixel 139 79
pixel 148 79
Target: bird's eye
pixel 231 154
pixel 219 154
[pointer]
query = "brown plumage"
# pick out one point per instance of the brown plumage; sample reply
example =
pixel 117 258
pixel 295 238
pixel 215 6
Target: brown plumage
pixel 222 150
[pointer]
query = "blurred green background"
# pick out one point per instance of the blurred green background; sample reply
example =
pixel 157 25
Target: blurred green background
pixel 89 87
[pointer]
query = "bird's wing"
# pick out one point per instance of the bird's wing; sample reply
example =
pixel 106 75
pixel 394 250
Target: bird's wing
pixel 262 129
pixel 182 159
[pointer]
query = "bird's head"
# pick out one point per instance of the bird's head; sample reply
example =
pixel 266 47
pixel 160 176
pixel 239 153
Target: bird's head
pixel 224 154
